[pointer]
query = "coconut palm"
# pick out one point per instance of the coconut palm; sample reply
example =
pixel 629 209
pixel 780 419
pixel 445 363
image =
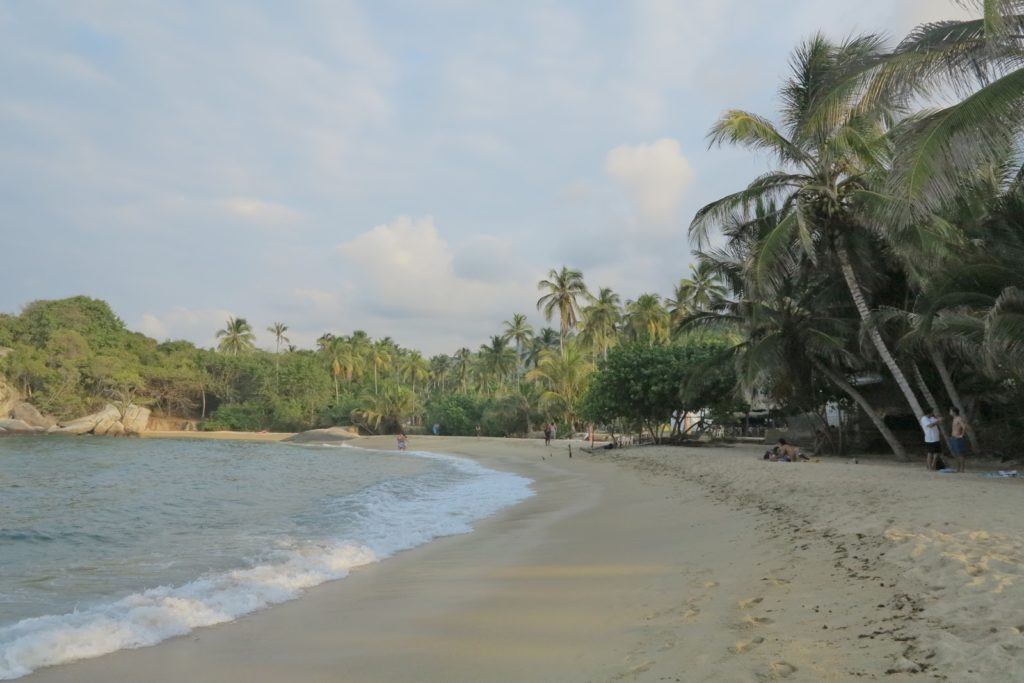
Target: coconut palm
pixel 462 363
pixel 600 321
pixel 545 340
pixel 278 330
pixel 565 377
pixel 564 289
pixel 647 319
pixel 236 337
pixel 497 360
pixel 832 150
pixel 415 368
pixel 379 355
pixel 518 330
pixel 699 292
pixel 980 60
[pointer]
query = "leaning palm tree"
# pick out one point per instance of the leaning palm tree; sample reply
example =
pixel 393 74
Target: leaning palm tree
pixel 564 289
pixel 236 337
pixel 601 320
pixel 832 150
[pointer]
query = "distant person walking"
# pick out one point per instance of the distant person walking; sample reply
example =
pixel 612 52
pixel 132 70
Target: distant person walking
pixel 478 431
pixel 932 439
pixel 957 440
pixel 547 434
pixel 436 429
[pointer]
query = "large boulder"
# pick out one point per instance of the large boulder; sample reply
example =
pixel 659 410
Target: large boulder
pixel 19 426
pixel 84 425
pixel 135 419
pixel 103 426
pixel 329 435
pixel 9 397
pixel 26 412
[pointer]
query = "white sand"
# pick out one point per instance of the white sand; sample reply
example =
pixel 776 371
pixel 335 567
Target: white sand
pixel 656 564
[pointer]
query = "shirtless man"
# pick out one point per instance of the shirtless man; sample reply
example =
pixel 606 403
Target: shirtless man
pixel 957 440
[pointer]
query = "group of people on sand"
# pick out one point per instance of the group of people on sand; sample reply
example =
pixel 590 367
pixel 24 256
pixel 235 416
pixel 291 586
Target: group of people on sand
pixel 933 440
pixel 784 452
pixel 550 432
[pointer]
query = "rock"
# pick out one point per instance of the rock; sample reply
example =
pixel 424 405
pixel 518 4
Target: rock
pixel 26 412
pixel 117 429
pixel 9 397
pixel 103 426
pixel 19 426
pixel 329 435
pixel 84 425
pixel 135 419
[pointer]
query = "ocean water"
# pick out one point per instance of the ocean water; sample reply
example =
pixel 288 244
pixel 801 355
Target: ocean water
pixel 108 544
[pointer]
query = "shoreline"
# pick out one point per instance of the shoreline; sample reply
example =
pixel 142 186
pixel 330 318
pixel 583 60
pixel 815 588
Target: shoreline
pixel 217 435
pixel 653 564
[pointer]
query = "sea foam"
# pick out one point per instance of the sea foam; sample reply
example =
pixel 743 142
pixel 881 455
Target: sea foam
pixel 387 517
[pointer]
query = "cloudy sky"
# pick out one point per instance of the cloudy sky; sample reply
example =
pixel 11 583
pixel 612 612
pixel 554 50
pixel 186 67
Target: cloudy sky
pixel 410 168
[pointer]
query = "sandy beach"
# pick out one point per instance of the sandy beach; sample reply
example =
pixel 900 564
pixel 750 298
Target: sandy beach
pixel 655 564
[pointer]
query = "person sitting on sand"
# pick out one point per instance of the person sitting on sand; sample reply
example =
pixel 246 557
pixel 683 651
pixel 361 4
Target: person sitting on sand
pixel 784 452
pixel 402 439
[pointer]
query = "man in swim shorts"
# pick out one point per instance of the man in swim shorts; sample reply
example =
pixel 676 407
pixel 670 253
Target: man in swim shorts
pixel 957 440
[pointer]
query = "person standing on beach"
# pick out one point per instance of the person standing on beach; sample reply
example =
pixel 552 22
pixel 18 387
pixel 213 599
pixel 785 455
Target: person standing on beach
pixel 554 431
pixel 932 439
pixel 402 439
pixel 957 440
pixel 547 434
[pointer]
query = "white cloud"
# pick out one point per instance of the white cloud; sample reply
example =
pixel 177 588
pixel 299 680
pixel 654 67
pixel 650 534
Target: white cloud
pixel 261 212
pixel 406 269
pixel 653 177
pixel 198 325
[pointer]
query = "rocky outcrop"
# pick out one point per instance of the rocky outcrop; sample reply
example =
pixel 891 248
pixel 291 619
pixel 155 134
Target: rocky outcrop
pixel 9 397
pixel 329 435
pixel 107 422
pixel 19 426
pixel 26 412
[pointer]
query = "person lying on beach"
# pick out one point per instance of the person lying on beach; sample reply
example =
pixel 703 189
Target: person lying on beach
pixel 784 452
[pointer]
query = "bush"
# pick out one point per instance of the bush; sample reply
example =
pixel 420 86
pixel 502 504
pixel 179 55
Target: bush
pixel 248 417
pixel 458 414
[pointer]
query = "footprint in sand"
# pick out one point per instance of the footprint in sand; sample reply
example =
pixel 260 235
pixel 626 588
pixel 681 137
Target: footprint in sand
pixel 749 602
pixel 780 669
pixel 742 646
pixel 750 621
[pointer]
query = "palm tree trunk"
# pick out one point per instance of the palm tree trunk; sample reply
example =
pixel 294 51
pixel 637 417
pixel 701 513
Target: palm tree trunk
pixel 876 419
pixel 883 351
pixel 954 396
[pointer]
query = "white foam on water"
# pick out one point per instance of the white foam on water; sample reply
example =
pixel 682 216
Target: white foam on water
pixel 389 517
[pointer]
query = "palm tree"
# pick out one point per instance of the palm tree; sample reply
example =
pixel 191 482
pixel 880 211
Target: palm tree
pixel 564 289
pixel 545 340
pixel 979 59
pixel 565 376
pixel 647 319
pixel 520 331
pixel 831 150
pixel 497 360
pixel 461 364
pixel 278 330
pixel 415 368
pixel 440 367
pixel 379 357
pixel 236 337
pixel 699 292
pixel 600 321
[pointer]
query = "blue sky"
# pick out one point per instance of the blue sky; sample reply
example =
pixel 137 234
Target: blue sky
pixel 408 168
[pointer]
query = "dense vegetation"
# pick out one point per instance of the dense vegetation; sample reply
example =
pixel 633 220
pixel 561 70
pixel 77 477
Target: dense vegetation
pixel 884 248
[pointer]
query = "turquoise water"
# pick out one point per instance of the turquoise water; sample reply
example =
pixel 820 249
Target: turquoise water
pixel 114 543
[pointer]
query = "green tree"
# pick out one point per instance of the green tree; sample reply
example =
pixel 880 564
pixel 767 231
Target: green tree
pixel 236 337
pixel 564 288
